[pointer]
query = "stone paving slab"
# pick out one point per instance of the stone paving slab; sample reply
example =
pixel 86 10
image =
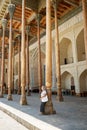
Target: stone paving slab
pixel 29 121
pixel 8 123
pixel 71 114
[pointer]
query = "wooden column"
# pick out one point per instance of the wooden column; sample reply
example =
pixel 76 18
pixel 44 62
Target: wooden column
pixel 23 100
pixel 19 65
pixel 84 6
pixel 27 61
pixel 11 8
pixel 57 54
pixel 13 46
pixel 4 23
pixel 49 105
pixel 39 53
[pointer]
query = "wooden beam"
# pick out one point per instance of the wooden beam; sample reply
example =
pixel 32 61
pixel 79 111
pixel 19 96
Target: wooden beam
pixel 73 3
pixel 16 30
pixel 18 19
pixel 36 26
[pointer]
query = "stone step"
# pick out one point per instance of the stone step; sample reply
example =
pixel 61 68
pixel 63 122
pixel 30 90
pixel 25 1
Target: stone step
pixel 28 121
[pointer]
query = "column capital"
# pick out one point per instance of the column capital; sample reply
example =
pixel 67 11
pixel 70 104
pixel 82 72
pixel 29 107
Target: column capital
pixel 4 23
pixel 6 45
pixel 54 3
pixel 13 43
pixel 28 29
pixel 11 9
pixel 1 31
pixel 19 37
pixel 38 18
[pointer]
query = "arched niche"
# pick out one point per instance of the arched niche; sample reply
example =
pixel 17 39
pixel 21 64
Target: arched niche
pixel 80 46
pixel 34 67
pixel 66 55
pixel 83 81
pixel 66 80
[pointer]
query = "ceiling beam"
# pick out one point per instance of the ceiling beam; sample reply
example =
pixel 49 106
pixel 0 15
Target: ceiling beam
pixel 29 4
pixel 32 17
pixel 28 22
pixel 43 27
pixel 73 3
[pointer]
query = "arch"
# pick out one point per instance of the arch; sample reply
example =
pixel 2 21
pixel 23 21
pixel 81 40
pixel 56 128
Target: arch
pixel 82 68
pixel 78 30
pixel 80 46
pixel 83 81
pixel 66 80
pixel 34 67
pixel 66 55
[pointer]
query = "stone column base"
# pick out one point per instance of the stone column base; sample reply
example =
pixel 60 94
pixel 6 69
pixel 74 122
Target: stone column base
pixel 1 95
pixel 78 94
pixel 49 108
pixel 9 97
pixel 19 93
pixel 23 100
pixel 60 99
pixel 28 94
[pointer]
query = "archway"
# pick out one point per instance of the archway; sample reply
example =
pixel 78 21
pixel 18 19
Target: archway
pixel 80 46
pixel 83 81
pixel 34 67
pixel 67 82
pixel 66 55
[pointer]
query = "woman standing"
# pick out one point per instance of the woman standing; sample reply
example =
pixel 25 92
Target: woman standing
pixel 44 99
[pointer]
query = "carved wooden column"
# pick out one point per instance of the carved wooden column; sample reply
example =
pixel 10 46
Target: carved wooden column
pixel 57 54
pixel 49 105
pixel 11 8
pixel 39 53
pixel 19 65
pixel 27 61
pixel 84 6
pixel 4 23
pixel 23 100
pixel 13 51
